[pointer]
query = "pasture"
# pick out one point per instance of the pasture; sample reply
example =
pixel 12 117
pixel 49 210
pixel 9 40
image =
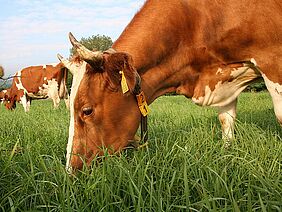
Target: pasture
pixel 185 166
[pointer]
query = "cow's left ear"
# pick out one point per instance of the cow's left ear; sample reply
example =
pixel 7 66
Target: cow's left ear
pixel 121 72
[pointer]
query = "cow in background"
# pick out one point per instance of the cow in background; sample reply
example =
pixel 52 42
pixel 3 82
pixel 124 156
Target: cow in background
pixel 38 82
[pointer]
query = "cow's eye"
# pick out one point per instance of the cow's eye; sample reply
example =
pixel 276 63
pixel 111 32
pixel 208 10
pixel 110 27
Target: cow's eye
pixel 87 111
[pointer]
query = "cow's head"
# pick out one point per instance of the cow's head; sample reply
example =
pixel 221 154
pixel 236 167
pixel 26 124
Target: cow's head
pixel 10 104
pixel 9 101
pixel 101 115
pixel 2 95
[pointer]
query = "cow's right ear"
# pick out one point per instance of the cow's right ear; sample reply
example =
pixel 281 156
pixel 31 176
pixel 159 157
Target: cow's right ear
pixel 121 72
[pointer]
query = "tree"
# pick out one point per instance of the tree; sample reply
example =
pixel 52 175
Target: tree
pixel 95 43
pixel 1 71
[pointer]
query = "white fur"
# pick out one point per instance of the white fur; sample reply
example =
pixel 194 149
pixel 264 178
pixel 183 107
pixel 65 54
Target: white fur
pixel 275 90
pixel 227 116
pixel 227 92
pixel 78 70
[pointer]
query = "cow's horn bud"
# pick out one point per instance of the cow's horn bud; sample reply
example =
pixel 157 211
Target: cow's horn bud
pixel 60 57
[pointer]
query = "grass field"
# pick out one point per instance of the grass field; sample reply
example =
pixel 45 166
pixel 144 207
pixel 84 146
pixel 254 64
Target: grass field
pixel 184 168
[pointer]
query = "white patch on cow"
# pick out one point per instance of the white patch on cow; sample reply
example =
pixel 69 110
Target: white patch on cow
pixel 44 66
pixel 50 64
pixel 78 70
pixel 19 84
pixel 45 78
pixel 219 71
pixel 226 92
pixel 48 90
pixel 227 115
pixel 3 98
pixel 275 90
pixel 53 64
pixel 52 91
pixel 25 103
pixel 253 61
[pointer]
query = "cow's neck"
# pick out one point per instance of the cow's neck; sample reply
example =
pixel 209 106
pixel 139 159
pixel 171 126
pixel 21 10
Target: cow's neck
pixel 157 48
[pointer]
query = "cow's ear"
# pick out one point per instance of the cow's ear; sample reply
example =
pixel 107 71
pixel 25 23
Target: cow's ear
pixel 121 72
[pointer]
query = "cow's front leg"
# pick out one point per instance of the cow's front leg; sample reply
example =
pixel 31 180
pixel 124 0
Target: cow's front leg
pixel 67 102
pixel 227 116
pixel 275 90
pixel 24 102
pixel 28 103
pixel 53 92
pixel 56 101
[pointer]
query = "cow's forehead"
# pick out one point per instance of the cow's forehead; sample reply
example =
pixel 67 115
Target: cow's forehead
pixel 78 70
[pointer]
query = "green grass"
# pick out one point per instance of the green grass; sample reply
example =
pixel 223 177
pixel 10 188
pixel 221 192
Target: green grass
pixel 185 167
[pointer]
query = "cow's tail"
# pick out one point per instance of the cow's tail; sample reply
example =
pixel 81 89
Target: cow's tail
pixel 63 91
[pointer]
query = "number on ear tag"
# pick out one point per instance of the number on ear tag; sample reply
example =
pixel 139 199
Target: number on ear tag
pixel 124 86
pixel 142 104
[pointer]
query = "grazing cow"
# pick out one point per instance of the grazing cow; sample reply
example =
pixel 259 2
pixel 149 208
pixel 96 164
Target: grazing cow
pixel 38 82
pixel 208 51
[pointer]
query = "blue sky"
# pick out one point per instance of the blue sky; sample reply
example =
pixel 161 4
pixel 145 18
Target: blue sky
pixel 32 32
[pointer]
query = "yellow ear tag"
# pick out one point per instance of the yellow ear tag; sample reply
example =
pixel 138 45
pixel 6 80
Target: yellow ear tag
pixel 142 104
pixel 124 86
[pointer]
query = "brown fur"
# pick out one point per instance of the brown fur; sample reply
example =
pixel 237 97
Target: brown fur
pixel 117 62
pixel 176 46
pixel 3 94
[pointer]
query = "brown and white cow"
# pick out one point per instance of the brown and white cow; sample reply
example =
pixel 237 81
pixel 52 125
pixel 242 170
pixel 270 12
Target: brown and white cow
pixel 38 82
pixel 208 51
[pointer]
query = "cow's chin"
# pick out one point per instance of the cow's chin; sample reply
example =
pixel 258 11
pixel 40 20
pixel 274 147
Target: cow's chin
pixel 84 156
pixel 133 143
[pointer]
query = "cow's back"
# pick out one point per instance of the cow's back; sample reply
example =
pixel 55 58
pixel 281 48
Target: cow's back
pixel 34 77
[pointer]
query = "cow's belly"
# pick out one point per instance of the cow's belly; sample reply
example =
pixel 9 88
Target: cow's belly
pixel 226 89
pixel 48 90
pixel 37 95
